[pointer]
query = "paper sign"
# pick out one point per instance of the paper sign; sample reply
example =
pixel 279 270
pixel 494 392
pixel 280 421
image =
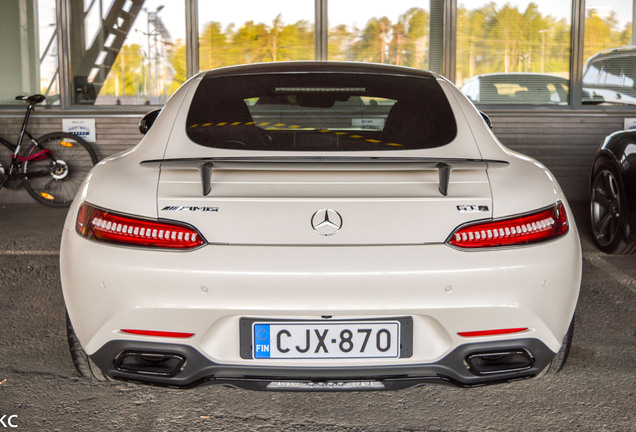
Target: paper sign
pixel 630 123
pixel 84 128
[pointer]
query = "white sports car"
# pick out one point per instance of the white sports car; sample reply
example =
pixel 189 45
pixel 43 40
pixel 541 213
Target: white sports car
pixel 316 226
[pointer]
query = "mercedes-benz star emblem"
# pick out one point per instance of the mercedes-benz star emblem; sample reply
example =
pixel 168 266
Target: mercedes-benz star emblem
pixel 326 222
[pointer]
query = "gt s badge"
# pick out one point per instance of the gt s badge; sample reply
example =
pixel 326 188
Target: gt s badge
pixel 472 208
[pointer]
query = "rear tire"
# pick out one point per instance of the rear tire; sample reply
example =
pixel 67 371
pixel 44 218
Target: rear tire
pixel 561 356
pixel 608 211
pixel 54 179
pixel 81 360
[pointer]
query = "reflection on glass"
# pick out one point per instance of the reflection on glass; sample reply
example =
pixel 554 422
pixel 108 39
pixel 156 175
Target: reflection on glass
pixel 399 34
pixel 517 89
pixel 254 32
pixel 28 45
pixel 322 111
pixel 609 71
pixel 47 35
pixel 127 53
pixel 515 52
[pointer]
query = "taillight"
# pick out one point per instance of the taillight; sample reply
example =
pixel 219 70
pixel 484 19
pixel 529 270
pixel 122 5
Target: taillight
pixel 107 226
pixel 534 227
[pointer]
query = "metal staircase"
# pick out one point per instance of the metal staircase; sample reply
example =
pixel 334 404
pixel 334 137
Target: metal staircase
pixel 90 66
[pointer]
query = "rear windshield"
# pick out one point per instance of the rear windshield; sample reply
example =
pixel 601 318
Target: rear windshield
pixel 320 112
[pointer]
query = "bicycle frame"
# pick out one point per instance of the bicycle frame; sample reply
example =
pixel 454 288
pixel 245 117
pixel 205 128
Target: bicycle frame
pixel 16 158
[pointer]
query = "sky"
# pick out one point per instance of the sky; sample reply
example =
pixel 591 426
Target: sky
pixel 340 11
pixel 358 12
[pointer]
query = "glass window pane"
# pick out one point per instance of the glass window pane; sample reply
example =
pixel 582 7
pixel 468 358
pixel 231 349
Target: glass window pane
pixel 320 111
pixel 406 32
pixel 127 52
pixel 28 48
pixel 255 31
pixel 514 52
pixel 609 70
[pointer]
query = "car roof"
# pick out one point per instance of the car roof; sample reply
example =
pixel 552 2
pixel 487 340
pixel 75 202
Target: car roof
pixel 628 51
pixel 318 66
pixel 511 75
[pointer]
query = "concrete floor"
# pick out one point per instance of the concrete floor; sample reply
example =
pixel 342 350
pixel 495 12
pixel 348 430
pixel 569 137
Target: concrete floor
pixel 38 383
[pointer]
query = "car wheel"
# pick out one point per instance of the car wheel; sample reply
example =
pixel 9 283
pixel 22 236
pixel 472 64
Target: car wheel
pixel 561 356
pixel 82 362
pixel 608 211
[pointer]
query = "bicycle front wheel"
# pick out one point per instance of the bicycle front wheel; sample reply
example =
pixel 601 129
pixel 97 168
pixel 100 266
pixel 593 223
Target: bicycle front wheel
pixel 55 166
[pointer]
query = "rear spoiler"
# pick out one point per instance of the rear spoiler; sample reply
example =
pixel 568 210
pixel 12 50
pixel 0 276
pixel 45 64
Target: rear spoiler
pixel 208 165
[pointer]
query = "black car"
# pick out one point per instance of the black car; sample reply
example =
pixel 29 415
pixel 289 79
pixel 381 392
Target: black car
pixel 613 194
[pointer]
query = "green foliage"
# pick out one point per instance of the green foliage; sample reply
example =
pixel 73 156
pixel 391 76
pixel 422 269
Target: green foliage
pixel 254 43
pixel 602 33
pixel 402 43
pixel 212 46
pixel 126 77
pixel 177 59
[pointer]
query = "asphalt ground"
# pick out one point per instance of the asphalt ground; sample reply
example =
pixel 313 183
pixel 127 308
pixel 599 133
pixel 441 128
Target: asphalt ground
pixel 38 383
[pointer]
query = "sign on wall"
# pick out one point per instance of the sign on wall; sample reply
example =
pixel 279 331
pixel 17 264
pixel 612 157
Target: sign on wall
pixel 630 123
pixel 84 128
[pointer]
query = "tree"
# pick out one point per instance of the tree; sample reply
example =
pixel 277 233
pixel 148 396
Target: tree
pixel 409 46
pixel 126 77
pixel 341 43
pixel 296 41
pixel 212 46
pixel 602 33
pixel 374 40
pixel 177 60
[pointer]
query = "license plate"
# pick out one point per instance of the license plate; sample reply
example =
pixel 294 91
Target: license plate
pixel 307 339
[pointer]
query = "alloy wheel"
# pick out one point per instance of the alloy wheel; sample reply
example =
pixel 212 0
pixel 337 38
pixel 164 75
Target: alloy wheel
pixel 606 208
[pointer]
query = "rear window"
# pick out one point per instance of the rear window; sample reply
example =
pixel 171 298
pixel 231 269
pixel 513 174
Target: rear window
pixel 320 112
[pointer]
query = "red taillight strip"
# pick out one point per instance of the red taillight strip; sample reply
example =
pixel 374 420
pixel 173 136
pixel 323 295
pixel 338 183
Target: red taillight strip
pixel 104 225
pixel 530 228
pixel 492 332
pixel 158 333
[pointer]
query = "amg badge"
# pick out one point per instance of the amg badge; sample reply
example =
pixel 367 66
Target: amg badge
pixel 190 209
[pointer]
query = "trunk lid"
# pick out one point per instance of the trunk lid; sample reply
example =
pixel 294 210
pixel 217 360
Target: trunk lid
pixel 324 201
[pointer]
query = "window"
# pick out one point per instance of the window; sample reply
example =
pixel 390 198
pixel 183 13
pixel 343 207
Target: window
pixel 320 111
pixel 254 32
pixel 127 52
pixel 133 52
pixel 28 49
pixel 402 33
pixel 610 62
pixel 519 52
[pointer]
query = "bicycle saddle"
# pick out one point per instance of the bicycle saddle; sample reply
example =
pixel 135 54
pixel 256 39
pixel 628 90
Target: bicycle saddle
pixel 34 99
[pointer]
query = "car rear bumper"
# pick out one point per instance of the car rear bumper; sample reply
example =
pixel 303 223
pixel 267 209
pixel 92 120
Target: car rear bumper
pixel 196 369
pixel 208 291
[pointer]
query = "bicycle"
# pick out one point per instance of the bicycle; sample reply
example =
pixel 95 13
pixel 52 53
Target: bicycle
pixel 53 166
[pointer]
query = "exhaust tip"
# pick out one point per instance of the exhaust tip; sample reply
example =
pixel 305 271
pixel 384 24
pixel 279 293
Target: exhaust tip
pixel 487 363
pixel 163 364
